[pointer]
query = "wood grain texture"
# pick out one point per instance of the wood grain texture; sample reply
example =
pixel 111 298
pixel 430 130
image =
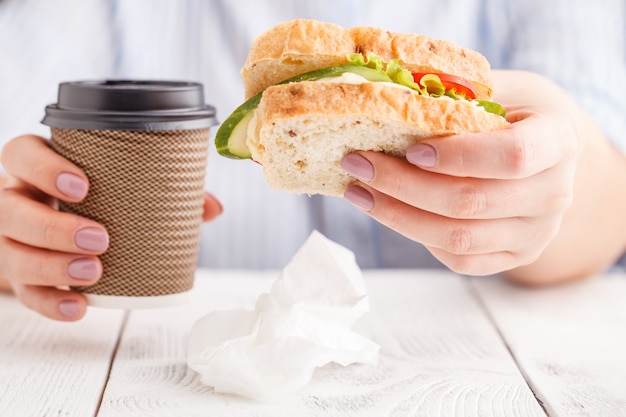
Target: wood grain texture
pixel 49 368
pixel 569 340
pixel 443 353
pixel 441 356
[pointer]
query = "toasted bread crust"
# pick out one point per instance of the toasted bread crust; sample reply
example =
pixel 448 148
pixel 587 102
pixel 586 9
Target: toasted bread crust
pixel 304 129
pixel 298 46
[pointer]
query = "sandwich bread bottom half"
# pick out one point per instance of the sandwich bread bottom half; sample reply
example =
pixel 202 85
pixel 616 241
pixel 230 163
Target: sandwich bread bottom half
pixel 301 131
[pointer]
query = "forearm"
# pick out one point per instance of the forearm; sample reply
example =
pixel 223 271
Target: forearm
pixel 593 232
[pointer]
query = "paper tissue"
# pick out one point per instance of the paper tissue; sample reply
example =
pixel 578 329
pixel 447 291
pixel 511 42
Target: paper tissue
pixel 304 322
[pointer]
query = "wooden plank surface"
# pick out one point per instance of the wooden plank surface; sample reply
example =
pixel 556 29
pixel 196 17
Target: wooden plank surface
pixel 441 356
pixel 49 368
pixel 570 341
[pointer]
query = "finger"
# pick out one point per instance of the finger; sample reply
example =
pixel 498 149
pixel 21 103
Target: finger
pixel 460 197
pixel 31 192
pixel 30 159
pixel 212 207
pixel 526 147
pixel 463 246
pixel 28 190
pixel 454 236
pixel 39 225
pixel 25 265
pixel 477 265
pixel 53 303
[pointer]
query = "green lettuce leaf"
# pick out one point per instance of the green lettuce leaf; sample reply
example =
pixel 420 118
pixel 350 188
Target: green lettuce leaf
pixel 371 61
pixel 402 76
pixel 430 85
pixel 492 107
pixel 433 85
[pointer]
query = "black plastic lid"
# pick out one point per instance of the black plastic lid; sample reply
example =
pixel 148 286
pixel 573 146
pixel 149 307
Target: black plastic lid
pixel 130 105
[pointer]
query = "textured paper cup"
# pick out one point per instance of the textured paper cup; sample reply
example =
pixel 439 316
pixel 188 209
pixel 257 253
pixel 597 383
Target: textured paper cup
pixel 143 145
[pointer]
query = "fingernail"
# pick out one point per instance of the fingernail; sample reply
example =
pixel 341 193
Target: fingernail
pixel 84 269
pixel 360 197
pixel 422 155
pixel 72 186
pixel 356 165
pixel 69 308
pixel 95 240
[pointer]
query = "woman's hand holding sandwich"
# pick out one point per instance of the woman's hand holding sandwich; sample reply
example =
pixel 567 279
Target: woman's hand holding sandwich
pixel 525 199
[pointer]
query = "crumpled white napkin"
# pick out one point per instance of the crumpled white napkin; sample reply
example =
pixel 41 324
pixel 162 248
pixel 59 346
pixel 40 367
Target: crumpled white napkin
pixel 304 322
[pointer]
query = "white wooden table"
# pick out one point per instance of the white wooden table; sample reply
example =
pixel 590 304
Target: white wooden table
pixel 451 346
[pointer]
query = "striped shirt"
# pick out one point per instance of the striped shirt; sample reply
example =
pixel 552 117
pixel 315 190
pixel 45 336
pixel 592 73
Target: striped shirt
pixel 578 43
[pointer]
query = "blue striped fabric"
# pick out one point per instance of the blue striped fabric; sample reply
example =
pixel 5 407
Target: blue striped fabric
pixel 578 43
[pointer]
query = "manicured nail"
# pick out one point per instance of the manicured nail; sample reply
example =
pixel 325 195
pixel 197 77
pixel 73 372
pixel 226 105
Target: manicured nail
pixel 72 186
pixel 69 308
pixel 356 165
pixel 360 197
pixel 84 269
pixel 422 155
pixel 95 240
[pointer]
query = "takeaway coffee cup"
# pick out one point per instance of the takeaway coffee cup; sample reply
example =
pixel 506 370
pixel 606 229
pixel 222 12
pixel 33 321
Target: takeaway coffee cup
pixel 143 145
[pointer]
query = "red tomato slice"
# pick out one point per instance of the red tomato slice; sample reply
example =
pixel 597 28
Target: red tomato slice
pixel 451 81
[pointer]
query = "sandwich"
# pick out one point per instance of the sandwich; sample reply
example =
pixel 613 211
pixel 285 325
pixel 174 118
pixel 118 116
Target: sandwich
pixel 316 91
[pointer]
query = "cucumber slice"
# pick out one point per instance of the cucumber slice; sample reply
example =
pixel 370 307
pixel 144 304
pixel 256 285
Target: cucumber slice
pixel 230 139
pixel 369 74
